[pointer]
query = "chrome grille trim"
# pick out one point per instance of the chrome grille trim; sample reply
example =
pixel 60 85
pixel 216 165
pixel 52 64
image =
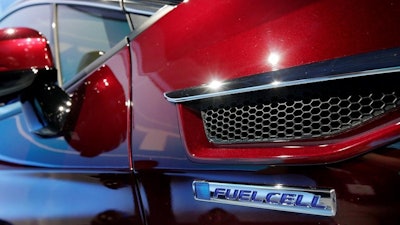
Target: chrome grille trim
pixel 370 64
pixel 302 112
pixel 280 84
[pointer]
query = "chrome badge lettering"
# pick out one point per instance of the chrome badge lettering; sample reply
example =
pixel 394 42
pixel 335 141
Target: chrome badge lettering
pixel 308 201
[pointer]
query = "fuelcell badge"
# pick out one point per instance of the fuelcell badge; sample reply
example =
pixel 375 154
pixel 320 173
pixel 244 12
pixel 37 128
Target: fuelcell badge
pixel 308 201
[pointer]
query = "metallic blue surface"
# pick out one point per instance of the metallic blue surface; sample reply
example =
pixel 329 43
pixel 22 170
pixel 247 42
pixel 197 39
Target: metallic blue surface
pixel 202 190
pixel 22 147
pixel 53 197
pixel 9 110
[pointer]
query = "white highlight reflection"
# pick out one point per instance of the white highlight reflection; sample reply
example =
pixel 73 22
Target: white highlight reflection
pixel 215 84
pixel 276 83
pixel 10 31
pixel 274 58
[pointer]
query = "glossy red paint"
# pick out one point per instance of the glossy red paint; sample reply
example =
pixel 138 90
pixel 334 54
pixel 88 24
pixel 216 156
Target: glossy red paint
pixel 100 108
pixel 23 47
pixel 201 41
pixel 108 103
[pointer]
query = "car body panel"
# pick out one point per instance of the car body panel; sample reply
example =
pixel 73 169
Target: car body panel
pixel 102 93
pixel 226 42
pixel 119 107
pixel 366 189
pixel 53 197
pixel 229 41
pixel 236 40
pixel 56 152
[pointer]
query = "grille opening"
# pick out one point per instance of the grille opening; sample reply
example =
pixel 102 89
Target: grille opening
pixel 298 112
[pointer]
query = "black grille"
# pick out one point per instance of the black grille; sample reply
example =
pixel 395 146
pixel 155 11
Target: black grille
pixel 298 112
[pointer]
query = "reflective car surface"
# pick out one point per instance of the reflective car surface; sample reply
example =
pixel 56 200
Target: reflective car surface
pixel 78 32
pixel 229 112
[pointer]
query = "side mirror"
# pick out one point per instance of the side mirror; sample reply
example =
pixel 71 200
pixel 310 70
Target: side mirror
pixel 24 54
pixel 27 70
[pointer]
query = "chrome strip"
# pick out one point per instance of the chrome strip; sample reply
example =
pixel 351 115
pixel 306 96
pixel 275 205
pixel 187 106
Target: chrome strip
pixel 320 202
pixel 54 28
pixel 368 64
pixel 275 84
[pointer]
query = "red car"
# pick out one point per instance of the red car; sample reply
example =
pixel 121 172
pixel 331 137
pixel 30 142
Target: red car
pixel 232 112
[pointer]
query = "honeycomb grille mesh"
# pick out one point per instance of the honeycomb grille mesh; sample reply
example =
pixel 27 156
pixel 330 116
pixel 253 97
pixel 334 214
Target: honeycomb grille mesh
pixel 262 118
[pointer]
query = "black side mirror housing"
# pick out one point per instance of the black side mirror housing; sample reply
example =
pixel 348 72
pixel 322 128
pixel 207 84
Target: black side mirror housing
pixel 45 106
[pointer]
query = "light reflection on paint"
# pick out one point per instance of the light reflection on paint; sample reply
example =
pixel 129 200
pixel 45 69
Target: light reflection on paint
pixel 273 60
pixel 215 85
pixel 10 31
